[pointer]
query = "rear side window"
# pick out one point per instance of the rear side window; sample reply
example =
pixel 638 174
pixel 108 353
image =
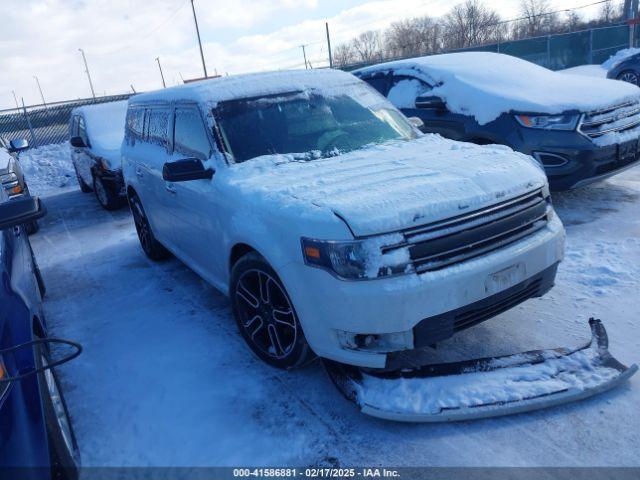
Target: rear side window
pixel 74 126
pixel 405 90
pixel 379 82
pixel 82 130
pixel 158 130
pixel 135 124
pixel 190 136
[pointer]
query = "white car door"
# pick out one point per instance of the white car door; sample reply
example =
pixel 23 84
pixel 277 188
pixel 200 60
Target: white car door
pixel 198 236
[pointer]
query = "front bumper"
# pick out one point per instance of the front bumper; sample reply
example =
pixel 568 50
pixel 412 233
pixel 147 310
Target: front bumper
pixel 112 180
pixel 328 307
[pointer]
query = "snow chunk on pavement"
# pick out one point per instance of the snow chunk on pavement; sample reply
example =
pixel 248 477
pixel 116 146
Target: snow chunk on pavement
pixel 486 85
pixel 47 168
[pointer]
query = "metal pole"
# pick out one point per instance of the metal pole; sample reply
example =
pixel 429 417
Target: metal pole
pixel 40 88
pixel 16 99
pixel 33 134
pixel 304 54
pixel 195 19
pixel 132 89
pixel 164 85
pixel 86 69
pixel 329 45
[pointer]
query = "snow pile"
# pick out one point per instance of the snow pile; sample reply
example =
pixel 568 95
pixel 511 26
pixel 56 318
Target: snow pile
pixel 387 187
pixel 619 57
pixel 105 128
pixel 578 371
pixel 486 85
pixel 47 168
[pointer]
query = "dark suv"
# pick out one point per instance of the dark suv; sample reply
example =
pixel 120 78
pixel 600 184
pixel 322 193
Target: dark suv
pixel 578 137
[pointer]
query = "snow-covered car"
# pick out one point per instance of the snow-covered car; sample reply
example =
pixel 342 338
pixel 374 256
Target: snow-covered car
pixel 625 66
pixel 96 135
pixel 335 226
pixel 581 129
pixel 12 178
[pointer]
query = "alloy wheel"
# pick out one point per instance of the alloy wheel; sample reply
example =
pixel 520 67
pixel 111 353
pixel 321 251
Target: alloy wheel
pixel 142 225
pixel 629 77
pixel 266 314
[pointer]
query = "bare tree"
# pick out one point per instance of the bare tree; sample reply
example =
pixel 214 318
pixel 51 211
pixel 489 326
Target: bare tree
pixel 611 11
pixel 417 36
pixel 470 24
pixel 368 46
pixel 344 55
pixel 573 22
pixel 538 19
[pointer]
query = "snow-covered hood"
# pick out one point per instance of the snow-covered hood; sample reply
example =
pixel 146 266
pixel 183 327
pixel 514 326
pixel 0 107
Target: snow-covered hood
pixel 392 186
pixel 486 85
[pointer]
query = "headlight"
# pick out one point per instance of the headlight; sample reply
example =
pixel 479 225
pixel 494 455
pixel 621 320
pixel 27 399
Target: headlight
pixel 359 259
pixel 8 178
pixel 549 122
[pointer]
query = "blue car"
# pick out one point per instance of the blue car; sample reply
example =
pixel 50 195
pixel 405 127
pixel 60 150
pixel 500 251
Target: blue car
pixel 36 437
pixel 627 70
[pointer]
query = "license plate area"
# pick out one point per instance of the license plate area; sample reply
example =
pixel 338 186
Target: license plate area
pixel 506 278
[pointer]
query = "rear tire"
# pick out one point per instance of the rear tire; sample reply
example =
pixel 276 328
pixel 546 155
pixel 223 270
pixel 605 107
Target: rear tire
pixel 265 315
pixel 63 448
pixel 105 198
pixel 83 186
pixel 152 247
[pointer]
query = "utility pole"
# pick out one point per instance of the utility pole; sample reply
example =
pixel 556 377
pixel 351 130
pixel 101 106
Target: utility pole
pixel 132 89
pixel 329 45
pixel 304 54
pixel 630 15
pixel 40 88
pixel 195 19
pixel 16 99
pixel 164 85
pixel 86 69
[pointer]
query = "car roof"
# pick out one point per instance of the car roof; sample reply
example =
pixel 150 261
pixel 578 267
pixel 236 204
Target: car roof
pixel 248 86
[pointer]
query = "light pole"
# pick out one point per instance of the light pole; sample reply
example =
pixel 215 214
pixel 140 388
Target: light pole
pixel 195 19
pixel 304 54
pixel 86 69
pixel 16 99
pixel 329 45
pixel 164 85
pixel 41 94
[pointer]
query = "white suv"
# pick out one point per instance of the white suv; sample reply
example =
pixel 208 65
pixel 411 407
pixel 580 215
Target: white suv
pixel 335 226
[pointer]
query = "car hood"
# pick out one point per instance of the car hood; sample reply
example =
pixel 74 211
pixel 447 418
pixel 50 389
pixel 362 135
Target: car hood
pixel 392 186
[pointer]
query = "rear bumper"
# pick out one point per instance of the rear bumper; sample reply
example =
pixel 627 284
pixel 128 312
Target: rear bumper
pixel 112 180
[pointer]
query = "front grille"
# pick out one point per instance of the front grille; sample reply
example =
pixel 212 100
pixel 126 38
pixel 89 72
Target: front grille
pixel 441 244
pixel 474 316
pixel 613 119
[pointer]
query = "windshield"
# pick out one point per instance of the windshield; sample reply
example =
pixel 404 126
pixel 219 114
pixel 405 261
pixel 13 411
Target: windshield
pixel 309 123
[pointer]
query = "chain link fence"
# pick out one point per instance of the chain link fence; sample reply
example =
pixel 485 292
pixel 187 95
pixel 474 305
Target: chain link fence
pixel 45 124
pixel 556 52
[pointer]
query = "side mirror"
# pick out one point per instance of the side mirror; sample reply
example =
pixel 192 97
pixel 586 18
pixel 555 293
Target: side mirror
pixel 77 142
pixel 416 122
pixel 18 145
pixel 186 170
pixel 431 102
pixel 14 213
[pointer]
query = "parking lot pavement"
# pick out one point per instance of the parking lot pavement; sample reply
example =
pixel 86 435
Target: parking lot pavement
pixel 166 380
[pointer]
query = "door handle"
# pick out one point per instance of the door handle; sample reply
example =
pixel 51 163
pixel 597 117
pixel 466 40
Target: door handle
pixel 170 188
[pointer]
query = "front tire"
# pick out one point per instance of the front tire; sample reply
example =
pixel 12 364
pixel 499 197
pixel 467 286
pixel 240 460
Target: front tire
pixel 630 76
pixel 152 247
pixel 63 448
pixel 106 199
pixel 265 315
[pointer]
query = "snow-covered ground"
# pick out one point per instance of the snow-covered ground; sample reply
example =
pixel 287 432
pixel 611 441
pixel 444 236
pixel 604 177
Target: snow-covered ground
pixel 165 379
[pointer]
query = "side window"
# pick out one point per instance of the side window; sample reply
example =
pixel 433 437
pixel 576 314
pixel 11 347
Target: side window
pixel 380 82
pixel 158 129
pixel 190 135
pixel 82 130
pixel 404 91
pixel 74 126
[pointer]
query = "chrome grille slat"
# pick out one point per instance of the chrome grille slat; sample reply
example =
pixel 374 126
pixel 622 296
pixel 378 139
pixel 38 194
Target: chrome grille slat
pixel 595 124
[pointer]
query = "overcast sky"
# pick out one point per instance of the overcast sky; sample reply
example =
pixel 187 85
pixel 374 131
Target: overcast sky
pixel 122 38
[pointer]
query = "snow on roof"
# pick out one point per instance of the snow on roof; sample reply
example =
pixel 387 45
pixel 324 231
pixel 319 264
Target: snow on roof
pixel 249 85
pixel 486 85
pixel 105 127
pixel 619 57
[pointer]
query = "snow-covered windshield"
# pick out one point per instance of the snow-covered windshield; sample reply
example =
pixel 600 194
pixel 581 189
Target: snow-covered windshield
pixel 308 122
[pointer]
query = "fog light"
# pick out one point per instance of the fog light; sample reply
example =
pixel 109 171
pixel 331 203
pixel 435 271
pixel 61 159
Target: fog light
pixel 376 342
pixel 550 160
